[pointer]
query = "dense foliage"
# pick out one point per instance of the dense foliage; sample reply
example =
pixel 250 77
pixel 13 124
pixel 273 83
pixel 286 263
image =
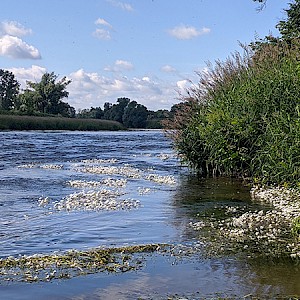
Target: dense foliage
pixel 44 97
pixel 9 90
pixel 243 117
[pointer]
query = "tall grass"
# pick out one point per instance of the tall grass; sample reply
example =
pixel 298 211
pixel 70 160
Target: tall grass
pixel 13 122
pixel 243 117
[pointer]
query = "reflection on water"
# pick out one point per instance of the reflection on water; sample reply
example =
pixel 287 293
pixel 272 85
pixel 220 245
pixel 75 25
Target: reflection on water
pixel 164 216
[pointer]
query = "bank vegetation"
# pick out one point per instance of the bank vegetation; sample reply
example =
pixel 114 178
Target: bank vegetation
pixel 17 122
pixel 242 119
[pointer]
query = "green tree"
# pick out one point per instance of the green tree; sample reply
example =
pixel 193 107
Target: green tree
pixel 9 90
pixel 135 115
pixel 92 113
pixel 117 110
pixel 47 94
pixel 290 28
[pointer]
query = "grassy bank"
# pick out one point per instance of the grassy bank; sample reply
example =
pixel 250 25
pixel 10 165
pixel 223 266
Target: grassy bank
pixel 243 117
pixel 13 122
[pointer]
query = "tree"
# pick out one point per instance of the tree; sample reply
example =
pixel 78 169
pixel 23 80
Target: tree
pixel 47 94
pixel 92 113
pixel 117 110
pixel 290 28
pixel 9 90
pixel 135 115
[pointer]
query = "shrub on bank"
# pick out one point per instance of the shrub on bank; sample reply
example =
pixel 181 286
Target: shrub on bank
pixel 243 117
pixel 13 122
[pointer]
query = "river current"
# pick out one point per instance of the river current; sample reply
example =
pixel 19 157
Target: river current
pixel 146 195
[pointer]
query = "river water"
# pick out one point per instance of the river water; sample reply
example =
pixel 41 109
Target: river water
pixel 41 173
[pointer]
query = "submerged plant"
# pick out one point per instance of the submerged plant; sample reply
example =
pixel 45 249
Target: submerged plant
pixel 270 232
pixel 74 263
pixel 296 227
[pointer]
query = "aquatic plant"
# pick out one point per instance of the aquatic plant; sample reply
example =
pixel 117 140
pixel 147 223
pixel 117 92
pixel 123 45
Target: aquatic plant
pixel 296 227
pixel 46 267
pixel 271 232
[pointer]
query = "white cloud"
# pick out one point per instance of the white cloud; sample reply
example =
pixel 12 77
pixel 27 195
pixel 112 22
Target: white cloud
pixel 103 22
pixel 168 69
pixel 119 66
pixel 122 5
pixel 34 74
pixel 182 85
pixel 102 34
pixel 13 28
pixel 14 47
pixel 183 32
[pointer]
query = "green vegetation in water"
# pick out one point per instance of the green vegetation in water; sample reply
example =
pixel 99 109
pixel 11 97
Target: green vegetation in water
pixel 13 122
pixel 272 232
pixel 296 227
pixel 74 263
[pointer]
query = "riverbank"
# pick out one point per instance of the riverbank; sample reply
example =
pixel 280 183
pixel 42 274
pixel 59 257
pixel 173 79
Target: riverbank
pixel 14 122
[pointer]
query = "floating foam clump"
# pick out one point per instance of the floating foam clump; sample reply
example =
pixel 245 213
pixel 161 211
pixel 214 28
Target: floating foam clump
pixel 28 166
pixel 169 179
pixel 52 167
pixel 95 200
pixel 164 156
pixel 126 171
pixel 99 161
pixel 121 183
pixel 43 201
pixel 144 191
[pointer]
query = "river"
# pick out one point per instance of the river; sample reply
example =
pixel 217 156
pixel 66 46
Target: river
pixel 147 196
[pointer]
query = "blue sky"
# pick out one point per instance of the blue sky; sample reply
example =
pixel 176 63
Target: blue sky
pixel 146 50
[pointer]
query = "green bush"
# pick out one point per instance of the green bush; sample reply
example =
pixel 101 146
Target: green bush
pixel 243 117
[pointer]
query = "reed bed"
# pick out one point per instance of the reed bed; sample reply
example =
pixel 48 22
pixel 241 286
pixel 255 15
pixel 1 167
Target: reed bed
pixel 13 122
pixel 243 117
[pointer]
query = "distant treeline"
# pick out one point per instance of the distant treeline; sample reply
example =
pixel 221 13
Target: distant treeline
pixel 45 98
pixel 129 113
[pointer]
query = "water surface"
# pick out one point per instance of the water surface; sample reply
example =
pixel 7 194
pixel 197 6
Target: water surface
pixel 36 165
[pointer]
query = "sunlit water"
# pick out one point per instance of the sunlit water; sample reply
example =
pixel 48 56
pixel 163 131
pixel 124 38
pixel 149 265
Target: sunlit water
pixel 41 165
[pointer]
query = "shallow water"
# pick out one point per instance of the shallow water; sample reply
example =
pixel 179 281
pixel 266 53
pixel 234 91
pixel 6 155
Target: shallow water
pixel 36 165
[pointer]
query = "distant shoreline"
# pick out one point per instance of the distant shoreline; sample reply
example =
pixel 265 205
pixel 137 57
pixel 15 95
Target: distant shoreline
pixel 18 122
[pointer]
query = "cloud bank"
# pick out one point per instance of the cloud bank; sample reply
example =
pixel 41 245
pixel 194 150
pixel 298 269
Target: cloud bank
pixel 11 44
pixel 92 89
